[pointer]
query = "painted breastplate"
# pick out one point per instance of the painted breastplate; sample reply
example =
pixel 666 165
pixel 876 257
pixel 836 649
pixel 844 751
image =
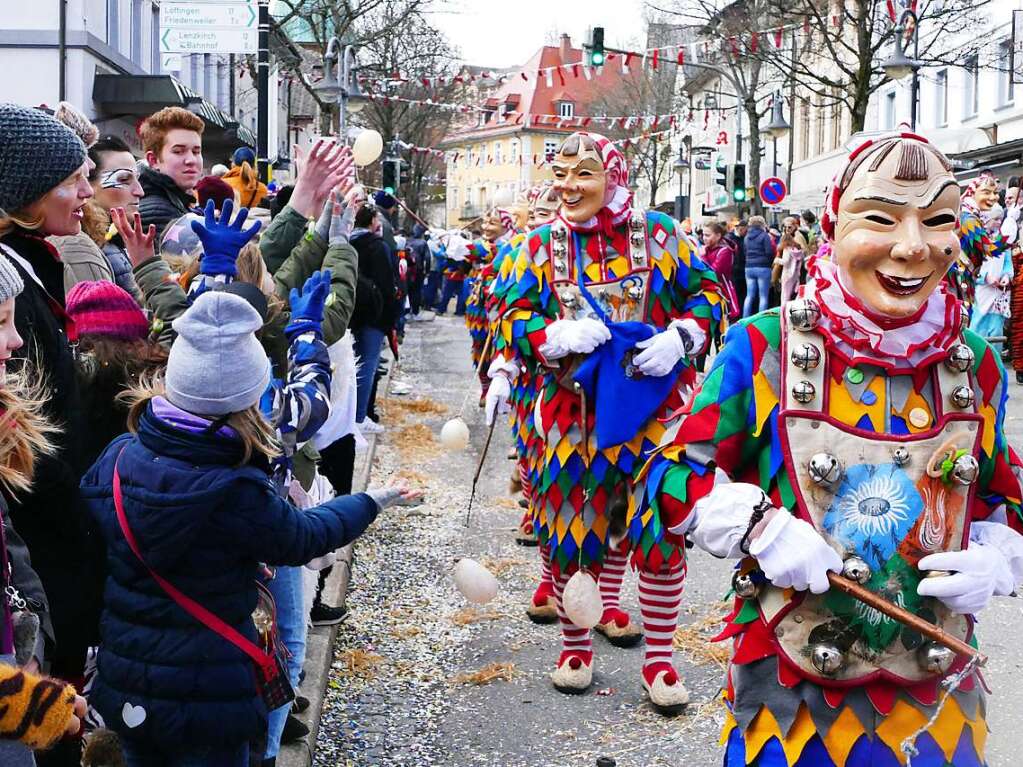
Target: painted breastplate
pixel 883 502
pixel 621 298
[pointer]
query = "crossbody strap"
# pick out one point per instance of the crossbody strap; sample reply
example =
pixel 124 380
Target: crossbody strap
pixel 193 608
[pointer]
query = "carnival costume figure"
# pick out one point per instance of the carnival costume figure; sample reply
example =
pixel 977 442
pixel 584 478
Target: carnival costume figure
pixel 977 244
pixel 857 430
pixel 607 305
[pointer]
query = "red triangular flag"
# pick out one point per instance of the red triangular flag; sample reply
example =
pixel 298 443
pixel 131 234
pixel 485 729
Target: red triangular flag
pixel 681 56
pixel 777 37
pixel 754 41
pixel 656 58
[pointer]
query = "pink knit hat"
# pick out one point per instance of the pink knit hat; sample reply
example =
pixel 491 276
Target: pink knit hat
pixel 106 309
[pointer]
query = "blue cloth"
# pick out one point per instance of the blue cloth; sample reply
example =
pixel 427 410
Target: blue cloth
pixel 604 375
pixel 758 288
pixel 286 587
pixel 368 345
pixel 452 289
pixel 307 306
pixel 759 248
pixel 222 239
pixel 204 521
pixel 221 756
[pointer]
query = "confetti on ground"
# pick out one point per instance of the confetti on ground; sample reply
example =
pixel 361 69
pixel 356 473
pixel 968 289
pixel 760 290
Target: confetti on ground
pixel 693 639
pixel 489 673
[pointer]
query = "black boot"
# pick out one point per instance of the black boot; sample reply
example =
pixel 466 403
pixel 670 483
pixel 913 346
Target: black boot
pixel 1019 376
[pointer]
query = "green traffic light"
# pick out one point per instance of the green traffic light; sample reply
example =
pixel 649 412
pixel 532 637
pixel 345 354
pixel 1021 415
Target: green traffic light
pixel 597 59
pixel 389 189
pixel 739 195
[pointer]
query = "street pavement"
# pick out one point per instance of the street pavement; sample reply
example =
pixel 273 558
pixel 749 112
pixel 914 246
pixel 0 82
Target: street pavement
pixel 399 692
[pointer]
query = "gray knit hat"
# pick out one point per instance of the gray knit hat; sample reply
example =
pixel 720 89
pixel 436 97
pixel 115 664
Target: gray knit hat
pixel 11 284
pixel 216 364
pixel 37 152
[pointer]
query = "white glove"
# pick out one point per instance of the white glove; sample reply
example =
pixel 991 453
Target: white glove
pixel 566 337
pixel 497 397
pixel 662 351
pixel 719 520
pixel 793 554
pixel 979 572
pixel 1010 229
pixel 1003 538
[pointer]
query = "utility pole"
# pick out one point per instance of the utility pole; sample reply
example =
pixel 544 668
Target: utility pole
pixel 263 92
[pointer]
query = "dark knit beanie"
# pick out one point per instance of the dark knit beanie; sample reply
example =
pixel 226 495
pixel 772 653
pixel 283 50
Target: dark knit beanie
pixel 106 309
pixel 213 188
pixel 37 152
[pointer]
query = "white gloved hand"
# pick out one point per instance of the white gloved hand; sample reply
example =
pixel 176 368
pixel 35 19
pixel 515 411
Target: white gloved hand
pixel 720 519
pixel 497 398
pixel 793 554
pixel 979 572
pixel 1010 229
pixel 566 337
pixel 1003 538
pixel 661 352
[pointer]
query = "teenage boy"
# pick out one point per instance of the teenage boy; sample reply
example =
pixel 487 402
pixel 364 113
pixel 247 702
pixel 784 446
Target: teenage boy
pixel 172 139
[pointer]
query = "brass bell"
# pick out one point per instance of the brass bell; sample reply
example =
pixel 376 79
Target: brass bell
pixel 635 293
pixel 637 239
pixel 960 358
pixel 934 658
pixel 559 233
pixel 568 299
pixel 965 470
pixel 824 469
pixel 962 396
pixel 637 223
pixel 804 391
pixel 806 356
pixel 560 267
pixel 827 658
pixel 855 569
pixel 559 250
pixel 804 314
pixel 745 585
pixel 901 456
pixel 638 259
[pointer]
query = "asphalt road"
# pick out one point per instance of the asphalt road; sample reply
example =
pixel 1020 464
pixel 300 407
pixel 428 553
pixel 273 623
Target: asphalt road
pixel 396 696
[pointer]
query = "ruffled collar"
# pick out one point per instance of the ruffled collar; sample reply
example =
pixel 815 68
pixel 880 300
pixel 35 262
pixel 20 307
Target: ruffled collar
pixel 861 336
pixel 616 212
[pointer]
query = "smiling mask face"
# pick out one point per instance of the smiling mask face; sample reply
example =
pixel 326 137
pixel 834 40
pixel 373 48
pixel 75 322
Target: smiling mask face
pixel 896 233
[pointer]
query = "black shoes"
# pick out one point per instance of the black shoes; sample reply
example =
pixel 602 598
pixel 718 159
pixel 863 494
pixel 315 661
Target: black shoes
pixel 324 615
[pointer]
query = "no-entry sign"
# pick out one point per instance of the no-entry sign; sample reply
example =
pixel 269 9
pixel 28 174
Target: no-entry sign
pixel 773 190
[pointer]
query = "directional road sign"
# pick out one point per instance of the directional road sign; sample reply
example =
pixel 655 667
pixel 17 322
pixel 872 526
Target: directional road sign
pixel 213 26
pixel 773 190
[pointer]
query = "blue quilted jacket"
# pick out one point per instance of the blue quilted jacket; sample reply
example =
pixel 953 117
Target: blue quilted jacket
pixel 205 526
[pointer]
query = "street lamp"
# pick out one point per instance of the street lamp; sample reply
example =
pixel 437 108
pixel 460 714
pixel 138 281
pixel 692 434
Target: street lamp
pixel 343 87
pixel 682 167
pixel 898 65
pixel 779 126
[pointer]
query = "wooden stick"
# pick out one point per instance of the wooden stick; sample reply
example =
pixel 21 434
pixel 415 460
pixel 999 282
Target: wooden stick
pixel 479 469
pixel 905 617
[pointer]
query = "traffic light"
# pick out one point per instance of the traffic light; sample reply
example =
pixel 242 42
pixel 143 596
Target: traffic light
pixel 391 173
pixel 597 47
pixel 722 173
pixel 404 173
pixel 737 182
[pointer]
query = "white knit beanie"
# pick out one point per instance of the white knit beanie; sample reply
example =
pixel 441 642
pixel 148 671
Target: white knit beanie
pixel 216 364
pixel 11 283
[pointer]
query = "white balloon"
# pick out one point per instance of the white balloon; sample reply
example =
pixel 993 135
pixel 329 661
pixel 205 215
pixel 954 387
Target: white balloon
pixel 581 600
pixel 367 148
pixel 476 582
pixel 454 435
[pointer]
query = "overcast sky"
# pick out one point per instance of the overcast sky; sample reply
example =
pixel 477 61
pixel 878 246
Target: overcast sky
pixel 501 33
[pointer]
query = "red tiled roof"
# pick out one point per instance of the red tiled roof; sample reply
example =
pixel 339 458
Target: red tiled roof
pixel 533 96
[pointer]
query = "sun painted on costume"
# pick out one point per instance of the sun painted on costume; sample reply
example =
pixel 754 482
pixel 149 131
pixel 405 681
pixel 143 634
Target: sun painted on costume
pixel 873 510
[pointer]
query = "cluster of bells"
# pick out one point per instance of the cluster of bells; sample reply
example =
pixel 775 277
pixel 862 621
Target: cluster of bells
pixel 805 315
pixel 827 657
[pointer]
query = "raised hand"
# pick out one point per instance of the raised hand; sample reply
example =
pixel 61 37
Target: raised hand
pixel 307 306
pixel 138 244
pixel 223 239
pixel 323 169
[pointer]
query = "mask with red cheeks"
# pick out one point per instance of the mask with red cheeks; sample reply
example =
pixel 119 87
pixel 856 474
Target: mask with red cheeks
pixel 582 178
pixel 493 226
pixel 896 230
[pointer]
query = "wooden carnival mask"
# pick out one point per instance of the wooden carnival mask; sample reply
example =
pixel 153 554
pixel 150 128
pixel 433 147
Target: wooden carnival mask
pixel 896 229
pixel 587 171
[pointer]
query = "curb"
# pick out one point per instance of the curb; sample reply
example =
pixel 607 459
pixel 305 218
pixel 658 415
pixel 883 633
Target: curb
pixel 321 639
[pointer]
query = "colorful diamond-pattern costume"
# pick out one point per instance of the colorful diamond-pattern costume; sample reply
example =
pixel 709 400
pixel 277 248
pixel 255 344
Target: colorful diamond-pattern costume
pixel 578 487
pixel 777 716
pixel 481 274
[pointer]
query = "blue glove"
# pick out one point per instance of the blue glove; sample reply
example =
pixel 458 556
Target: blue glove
pixel 223 241
pixel 307 306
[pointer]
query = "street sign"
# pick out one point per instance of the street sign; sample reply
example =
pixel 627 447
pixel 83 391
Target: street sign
pixel 773 190
pixel 216 26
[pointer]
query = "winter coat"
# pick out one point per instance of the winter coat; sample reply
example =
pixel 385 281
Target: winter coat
pixel 65 553
pixel 249 195
pixel 25 579
pixel 120 266
pixel 164 200
pixel 204 524
pixel 720 258
pixel 281 237
pixel 421 257
pixel 83 260
pixel 759 248
pixel 375 268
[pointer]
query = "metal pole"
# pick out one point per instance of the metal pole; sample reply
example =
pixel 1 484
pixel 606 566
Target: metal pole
pixel 263 92
pixel 62 53
pixel 914 86
pixel 231 94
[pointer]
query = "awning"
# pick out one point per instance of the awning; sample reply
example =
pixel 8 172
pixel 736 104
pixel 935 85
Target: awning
pixel 142 95
pixel 1002 159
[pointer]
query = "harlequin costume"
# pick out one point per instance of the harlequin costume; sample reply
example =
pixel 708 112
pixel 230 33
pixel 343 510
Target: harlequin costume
pixel 586 300
pixel 884 437
pixel 976 243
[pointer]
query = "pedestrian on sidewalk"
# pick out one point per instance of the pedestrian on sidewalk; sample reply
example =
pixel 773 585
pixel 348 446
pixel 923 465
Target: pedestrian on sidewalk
pixel 759 258
pixel 456 267
pixel 244 180
pixel 190 488
pixel 435 278
pixel 172 139
pixel 420 254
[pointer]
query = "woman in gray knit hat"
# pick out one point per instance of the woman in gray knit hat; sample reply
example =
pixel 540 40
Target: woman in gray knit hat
pixel 43 187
